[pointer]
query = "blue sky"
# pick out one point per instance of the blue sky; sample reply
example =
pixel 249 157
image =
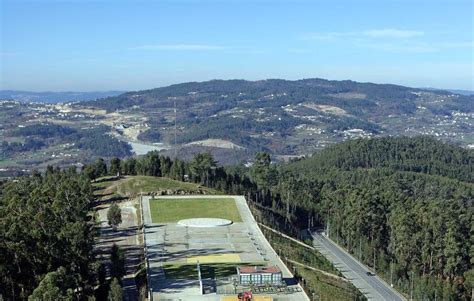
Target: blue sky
pixel 85 45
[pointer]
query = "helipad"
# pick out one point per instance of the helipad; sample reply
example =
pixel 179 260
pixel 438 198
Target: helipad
pixel 204 222
pixel 217 242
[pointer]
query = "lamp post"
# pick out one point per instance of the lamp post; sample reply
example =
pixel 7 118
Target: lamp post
pixel 374 260
pixel 391 273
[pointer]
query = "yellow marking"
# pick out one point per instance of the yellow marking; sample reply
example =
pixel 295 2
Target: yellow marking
pixel 217 258
pixel 229 298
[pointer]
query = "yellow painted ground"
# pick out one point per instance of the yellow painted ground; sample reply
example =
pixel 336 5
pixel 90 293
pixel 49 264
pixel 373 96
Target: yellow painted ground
pixel 255 298
pixel 217 258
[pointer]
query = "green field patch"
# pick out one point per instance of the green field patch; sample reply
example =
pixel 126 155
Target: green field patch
pixel 173 210
pixel 190 272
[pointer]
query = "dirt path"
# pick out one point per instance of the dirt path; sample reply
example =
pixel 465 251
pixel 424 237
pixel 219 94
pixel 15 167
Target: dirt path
pixel 127 238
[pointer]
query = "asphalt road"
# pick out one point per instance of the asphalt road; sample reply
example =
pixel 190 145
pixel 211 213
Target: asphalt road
pixel 372 287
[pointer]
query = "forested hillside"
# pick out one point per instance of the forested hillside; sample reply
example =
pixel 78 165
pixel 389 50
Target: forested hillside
pixel 421 154
pixel 293 117
pixel 287 119
pixel 407 202
pixel 46 238
pixel 403 204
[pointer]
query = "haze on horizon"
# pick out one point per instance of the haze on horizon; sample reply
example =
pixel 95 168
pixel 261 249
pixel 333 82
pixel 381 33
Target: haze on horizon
pixel 97 45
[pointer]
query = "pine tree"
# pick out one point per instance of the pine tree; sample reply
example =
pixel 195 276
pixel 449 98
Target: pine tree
pixel 114 216
pixel 115 291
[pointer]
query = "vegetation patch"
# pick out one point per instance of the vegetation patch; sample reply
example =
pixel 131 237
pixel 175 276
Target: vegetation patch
pixel 327 288
pixel 173 210
pixel 189 271
pixel 131 186
pixel 324 286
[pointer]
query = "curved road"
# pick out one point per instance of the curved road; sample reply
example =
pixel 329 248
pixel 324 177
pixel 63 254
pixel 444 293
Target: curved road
pixel 372 287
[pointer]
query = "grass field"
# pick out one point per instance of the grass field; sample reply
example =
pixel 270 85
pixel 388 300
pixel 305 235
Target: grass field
pixel 131 186
pixel 189 271
pixel 173 210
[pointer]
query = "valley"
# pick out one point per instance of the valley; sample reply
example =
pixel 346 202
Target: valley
pixel 231 119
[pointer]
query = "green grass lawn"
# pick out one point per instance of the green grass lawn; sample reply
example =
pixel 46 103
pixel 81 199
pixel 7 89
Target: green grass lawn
pixel 212 270
pixel 173 210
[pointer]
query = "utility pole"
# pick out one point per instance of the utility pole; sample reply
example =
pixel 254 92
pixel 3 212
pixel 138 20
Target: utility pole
pixel 411 287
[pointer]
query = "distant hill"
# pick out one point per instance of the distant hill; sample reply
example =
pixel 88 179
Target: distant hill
pixel 463 92
pixel 232 119
pixel 55 97
pixel 456 91
pixel 294 117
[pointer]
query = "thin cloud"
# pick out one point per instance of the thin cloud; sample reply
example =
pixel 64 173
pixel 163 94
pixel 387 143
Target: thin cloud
pixel 458 45
pixel 185 47
pixel 393 33
pixel 390 40
pixel 414 47
pixel 405 47
pixel 388 33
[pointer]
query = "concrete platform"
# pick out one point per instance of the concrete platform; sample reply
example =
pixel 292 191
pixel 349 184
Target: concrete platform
pixel 204 222
pixel 236 243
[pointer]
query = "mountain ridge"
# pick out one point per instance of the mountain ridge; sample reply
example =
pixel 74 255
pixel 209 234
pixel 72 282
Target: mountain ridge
pixel 281 115
pixel 55 96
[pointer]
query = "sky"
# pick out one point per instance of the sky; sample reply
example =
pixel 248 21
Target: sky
pixel 85 45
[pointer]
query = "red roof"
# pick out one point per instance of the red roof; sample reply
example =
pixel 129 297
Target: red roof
pixel 259 270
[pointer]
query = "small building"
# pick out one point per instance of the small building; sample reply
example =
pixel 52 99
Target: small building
pixel 259 275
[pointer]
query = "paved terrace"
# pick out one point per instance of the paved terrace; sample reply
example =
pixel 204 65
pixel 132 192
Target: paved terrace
pixel 239 242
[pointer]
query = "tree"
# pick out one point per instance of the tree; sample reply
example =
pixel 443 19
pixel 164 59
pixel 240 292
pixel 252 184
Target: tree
pixel 90 171
pixel 149 164
pixel 262 172
pixel 201 166
pixel 115 291
pixel 117 262
pixel 45 224
pixel 114 216
pixel 128 166
pixel 469 282
pixel 177 170
pixel 165 163
pixel 100 167
pixel 53 287
pixel 114 168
